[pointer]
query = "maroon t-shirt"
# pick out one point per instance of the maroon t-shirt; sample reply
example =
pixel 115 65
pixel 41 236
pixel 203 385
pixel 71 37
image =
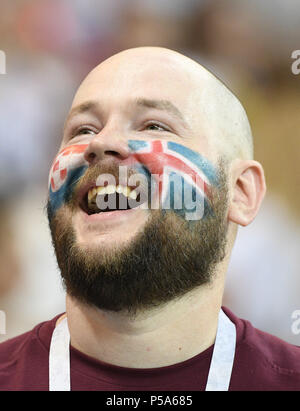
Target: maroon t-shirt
pixel 262 362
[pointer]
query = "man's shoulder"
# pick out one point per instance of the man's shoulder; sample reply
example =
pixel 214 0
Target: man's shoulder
pixel 16 345
pixel 277 352
pixel 24 353
pixel 266 357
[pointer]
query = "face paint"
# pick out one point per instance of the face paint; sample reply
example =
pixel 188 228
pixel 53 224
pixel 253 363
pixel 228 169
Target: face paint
pixel 68 166
pixel 184 177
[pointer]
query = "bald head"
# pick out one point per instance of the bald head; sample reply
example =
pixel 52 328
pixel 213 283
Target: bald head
pixel 208 106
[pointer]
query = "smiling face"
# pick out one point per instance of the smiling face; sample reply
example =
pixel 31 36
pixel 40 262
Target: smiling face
pixel 122 100
pixel 150 112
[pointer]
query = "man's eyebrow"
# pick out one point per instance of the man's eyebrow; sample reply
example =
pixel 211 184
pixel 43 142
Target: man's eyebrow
pixel 164 105
pixel 82 108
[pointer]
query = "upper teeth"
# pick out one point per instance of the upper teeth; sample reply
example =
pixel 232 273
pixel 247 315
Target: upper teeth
pixel 111 189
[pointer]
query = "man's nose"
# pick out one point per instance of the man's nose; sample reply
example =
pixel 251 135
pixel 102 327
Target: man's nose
pixel 102 148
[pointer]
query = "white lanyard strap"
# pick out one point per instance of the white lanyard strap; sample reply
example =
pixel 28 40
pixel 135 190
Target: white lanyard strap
pixel 219 373
pixel 223 355
pixel 59 358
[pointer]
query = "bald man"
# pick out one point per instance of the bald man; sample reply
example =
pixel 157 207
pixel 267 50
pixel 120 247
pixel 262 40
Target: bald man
pixel 154 175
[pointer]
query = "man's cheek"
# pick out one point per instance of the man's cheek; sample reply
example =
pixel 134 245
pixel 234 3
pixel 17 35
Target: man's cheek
pixel 63 195
pixel 67 169
pixel 183 178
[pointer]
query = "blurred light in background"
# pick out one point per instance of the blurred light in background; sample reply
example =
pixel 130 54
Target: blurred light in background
pixel 50 45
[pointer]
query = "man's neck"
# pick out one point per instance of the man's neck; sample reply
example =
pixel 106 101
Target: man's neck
pixel 156 338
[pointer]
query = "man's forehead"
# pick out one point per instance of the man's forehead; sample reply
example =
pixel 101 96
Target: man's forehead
pixel 159 73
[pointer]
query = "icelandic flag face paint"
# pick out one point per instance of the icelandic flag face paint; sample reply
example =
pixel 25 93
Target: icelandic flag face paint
pixel 68 166
pixel 181 177
pixel 184 177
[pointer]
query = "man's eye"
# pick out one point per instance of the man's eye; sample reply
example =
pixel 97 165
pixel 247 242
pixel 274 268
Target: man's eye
pixel 82 131
pixel 85 131
pixel 156 127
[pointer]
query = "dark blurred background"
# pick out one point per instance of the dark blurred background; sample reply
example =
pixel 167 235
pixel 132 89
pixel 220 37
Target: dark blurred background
pixel 50 46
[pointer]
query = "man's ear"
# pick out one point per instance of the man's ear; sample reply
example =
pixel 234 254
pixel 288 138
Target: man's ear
pixel 248 189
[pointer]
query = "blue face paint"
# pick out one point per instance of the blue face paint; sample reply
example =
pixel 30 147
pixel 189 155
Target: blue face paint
pixel 61 196
pixel 195 158
pixel 184 177
pixel 68 166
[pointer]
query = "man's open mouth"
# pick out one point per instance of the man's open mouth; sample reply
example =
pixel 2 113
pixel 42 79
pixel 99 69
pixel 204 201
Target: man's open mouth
pixel 110 198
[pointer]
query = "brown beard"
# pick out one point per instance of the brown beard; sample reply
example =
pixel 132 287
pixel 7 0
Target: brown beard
pixel 168 258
